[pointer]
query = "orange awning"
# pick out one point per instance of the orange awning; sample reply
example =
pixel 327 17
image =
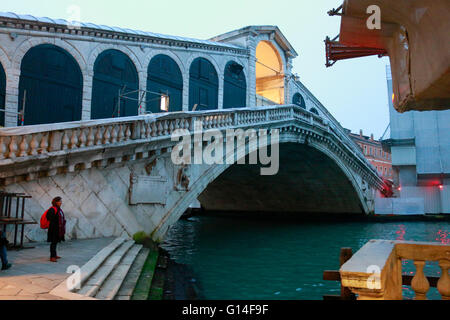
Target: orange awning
pixel 337 51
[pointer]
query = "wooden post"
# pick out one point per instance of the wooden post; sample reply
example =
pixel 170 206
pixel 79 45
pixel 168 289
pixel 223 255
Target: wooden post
pixel 346 294
pixel 16 226
pixel 346 254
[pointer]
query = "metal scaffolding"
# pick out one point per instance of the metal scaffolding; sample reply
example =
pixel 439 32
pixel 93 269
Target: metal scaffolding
pixel 123 95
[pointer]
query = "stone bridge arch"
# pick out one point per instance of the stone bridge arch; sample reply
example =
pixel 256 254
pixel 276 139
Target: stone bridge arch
pixel 205 178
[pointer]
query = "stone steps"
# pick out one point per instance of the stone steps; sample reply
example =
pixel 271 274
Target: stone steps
pixel 130 281
pixel 111 286
pixel 105 274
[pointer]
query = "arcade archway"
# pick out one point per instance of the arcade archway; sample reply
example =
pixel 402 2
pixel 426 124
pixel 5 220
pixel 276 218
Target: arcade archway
pixel 269 73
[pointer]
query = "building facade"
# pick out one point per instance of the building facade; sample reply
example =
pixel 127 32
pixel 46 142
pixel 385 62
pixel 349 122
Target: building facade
pixel 52 71
pixel 420 146
pixel 374 153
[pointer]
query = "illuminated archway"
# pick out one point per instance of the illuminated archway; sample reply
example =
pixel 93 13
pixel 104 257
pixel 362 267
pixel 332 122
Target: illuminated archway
pixel 269 73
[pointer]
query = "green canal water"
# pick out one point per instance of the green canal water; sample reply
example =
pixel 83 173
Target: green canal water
pixel 251 258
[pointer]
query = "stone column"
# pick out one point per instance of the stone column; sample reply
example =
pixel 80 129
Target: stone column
pixel 143 87
pixel 251 93
pixel 221 85
pixel 12 97
pixel 88 78
pixel 186 91
pixel 287 80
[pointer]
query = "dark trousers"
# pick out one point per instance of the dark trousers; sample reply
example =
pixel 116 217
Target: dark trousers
pixel 53 250
pixel 3 255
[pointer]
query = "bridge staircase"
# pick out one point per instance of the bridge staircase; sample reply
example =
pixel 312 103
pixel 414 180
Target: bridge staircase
pixel 112 273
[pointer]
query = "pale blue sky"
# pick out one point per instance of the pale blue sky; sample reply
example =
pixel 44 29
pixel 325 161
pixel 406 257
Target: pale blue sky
pixel 354 91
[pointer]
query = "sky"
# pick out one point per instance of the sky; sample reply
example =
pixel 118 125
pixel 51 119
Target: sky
pixel 354 91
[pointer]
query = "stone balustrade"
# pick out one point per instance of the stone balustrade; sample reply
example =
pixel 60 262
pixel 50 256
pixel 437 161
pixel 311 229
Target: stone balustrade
pixel 375 271
pixel 24 144
pixel 36 140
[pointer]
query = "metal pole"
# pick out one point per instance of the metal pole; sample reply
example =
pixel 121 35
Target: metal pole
pixel 16 226
pixel 118 107
pixel 23 225
pixel 140 102
pixel 23 108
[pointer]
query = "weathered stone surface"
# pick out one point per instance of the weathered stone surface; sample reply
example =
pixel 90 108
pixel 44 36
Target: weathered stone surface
pixel 34 277
pixel 116 278
pixel 148 190
pixel 9 290
pixel 129 283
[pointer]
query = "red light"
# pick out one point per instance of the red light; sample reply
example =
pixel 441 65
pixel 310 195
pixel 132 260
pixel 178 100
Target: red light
pixel 441 187
pixel 399 188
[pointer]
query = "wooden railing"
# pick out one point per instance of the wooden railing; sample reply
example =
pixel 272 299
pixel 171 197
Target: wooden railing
pixel 375 271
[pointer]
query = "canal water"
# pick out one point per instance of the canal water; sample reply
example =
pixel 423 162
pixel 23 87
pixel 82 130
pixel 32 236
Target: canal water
pixel 236 259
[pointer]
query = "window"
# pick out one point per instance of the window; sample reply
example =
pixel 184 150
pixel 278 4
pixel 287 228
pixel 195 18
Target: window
pixel 235 86
pixel 385 171
pixel 314 110
pixel 298 100
pixel 165 103
pixel 365 150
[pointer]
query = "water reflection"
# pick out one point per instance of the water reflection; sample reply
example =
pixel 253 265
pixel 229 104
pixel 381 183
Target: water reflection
pixel 443 237
pixel 260 259
pixel 401 233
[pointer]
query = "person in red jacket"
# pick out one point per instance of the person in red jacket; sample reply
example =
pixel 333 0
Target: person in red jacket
pixel 57 227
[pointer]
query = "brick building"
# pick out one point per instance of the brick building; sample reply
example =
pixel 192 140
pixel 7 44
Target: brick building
pixel 373 151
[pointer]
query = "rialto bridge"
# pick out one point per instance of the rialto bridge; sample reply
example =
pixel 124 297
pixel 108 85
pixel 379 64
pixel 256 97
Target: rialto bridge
pixel 89 113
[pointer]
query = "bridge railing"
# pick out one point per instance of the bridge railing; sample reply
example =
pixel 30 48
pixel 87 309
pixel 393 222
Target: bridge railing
pixel 30 141
pixel 35 140
pixel 375 271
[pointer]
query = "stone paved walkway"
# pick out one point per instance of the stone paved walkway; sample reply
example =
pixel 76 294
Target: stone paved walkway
pixel 33 276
